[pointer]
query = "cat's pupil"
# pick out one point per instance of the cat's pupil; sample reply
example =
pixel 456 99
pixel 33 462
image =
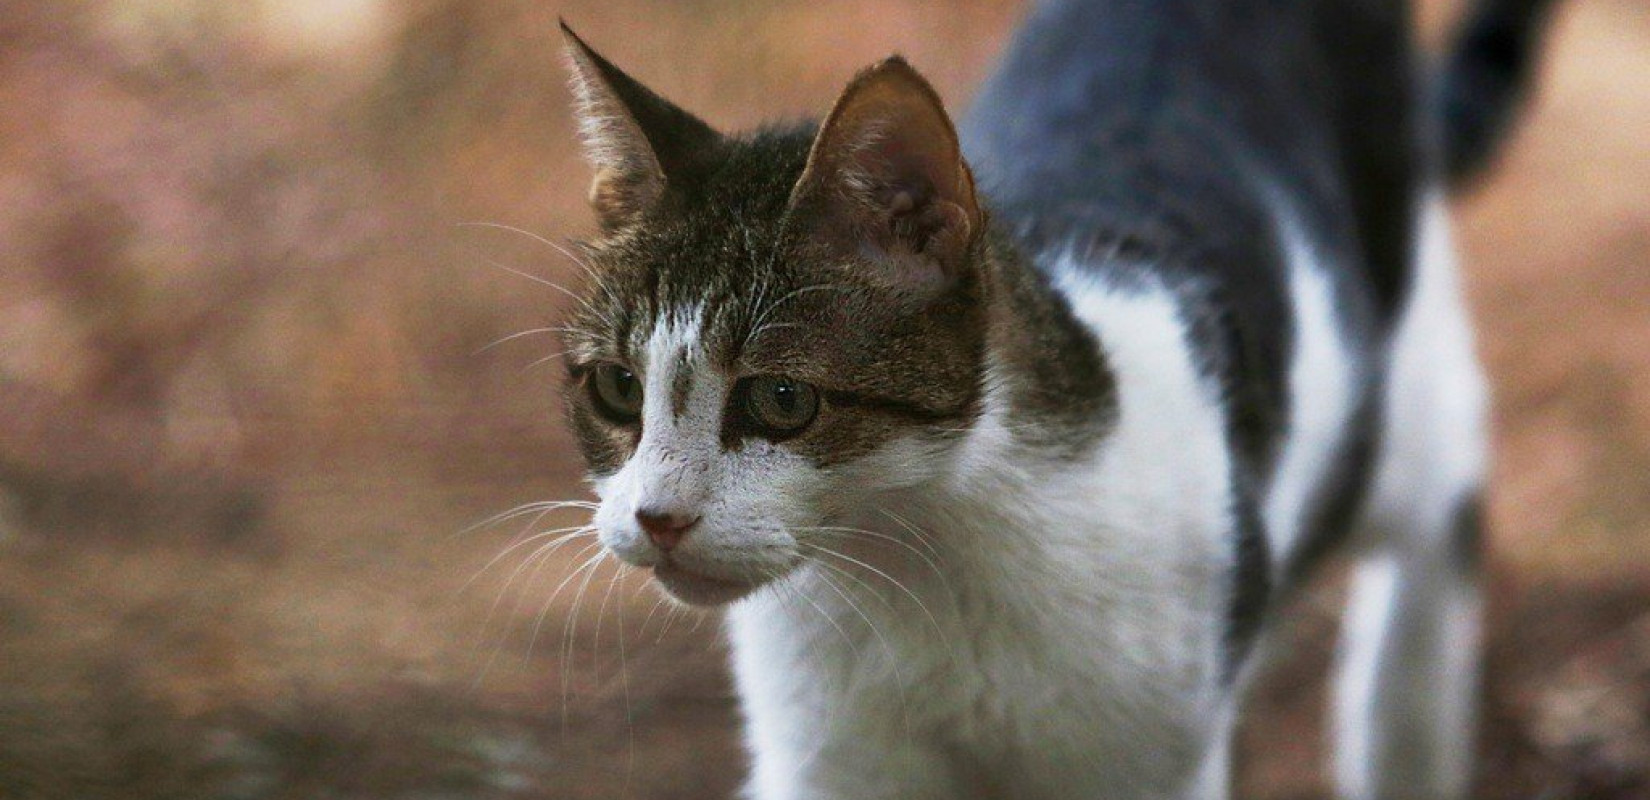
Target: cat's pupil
pixel 780 406
pixel 784 396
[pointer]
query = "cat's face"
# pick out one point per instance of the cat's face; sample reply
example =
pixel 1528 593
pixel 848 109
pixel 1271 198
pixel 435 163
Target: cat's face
pixel 780 328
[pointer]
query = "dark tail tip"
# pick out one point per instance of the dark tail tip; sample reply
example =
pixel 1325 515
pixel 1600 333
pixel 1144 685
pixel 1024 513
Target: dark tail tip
pixel 1485 80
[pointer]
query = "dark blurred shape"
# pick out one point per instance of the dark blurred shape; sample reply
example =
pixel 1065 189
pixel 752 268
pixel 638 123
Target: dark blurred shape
pixel 1486 77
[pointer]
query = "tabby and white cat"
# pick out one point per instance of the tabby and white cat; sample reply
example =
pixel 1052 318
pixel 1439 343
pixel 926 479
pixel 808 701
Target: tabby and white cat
pixel 1000 471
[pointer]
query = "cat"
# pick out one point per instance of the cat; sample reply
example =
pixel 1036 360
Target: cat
pixel 1002 443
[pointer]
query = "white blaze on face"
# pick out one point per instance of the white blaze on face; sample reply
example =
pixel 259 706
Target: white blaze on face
pixel 746 499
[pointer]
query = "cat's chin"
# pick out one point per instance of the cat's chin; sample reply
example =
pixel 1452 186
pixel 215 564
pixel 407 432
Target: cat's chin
pixel 700 590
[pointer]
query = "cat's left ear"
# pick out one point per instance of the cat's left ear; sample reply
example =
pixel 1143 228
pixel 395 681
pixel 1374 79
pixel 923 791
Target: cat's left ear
pixel 637 141
pixel 886 175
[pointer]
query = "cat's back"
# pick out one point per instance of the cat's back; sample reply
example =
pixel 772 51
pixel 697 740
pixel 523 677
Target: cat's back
pixel 1168 129
pixel 1257 160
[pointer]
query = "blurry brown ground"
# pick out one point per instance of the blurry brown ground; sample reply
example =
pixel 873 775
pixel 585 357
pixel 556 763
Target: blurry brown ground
pixel 245 409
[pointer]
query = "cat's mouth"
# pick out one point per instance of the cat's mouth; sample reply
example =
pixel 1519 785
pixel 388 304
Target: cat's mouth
pixel 697 589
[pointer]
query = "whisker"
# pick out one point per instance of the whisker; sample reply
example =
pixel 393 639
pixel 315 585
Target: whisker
pixel 857 580
pixel 541 560
pixel 624 686
pixel 540 556
pixel 793 588
pixel 887 649
pixel 671 613
pixel 520 335
pixel 601 612
pixel 574 530
pixel 927 539
pixel 545 360
pixel 572 628
pixel 885 576
pixel 883 537
pixel 566 579
pixel 589 270
pixel 524 509
pixel 757 328
pixel 577 298
pixel 656 604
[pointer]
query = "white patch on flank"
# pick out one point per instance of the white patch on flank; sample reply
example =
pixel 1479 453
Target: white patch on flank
pixel 1322 393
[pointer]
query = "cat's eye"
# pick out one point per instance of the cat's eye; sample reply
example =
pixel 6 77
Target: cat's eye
pixel 780 406
pixel 617 393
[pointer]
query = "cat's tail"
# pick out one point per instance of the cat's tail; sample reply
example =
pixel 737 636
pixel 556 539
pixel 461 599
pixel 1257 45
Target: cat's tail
pixel 1485 79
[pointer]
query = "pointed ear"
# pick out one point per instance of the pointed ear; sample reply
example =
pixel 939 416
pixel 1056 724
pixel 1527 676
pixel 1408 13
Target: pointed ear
pixel 886 173
pixel 635 139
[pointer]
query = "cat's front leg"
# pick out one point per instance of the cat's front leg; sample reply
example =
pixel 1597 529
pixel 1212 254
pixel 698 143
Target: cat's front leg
pixel 825 720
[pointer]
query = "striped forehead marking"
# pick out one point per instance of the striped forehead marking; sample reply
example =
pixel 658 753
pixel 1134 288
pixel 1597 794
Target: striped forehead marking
pixel 672 347
pixel 681 383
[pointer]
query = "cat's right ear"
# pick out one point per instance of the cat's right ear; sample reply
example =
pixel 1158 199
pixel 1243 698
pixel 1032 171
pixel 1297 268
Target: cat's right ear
pixel 635 139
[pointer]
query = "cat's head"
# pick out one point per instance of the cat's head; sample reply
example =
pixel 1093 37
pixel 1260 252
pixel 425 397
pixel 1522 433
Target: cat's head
pixel 781 327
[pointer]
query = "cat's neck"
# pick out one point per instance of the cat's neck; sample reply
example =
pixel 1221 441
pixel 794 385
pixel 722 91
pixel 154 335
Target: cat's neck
pixel 1097 426
pixel 1047 376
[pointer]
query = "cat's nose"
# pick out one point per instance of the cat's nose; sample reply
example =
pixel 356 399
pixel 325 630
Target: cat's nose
pixel 665 528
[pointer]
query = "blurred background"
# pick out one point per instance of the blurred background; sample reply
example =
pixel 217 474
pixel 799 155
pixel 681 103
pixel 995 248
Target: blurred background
pixel 258 402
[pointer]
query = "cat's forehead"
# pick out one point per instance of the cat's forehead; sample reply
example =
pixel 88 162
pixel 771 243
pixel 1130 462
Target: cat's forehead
pixel 717 253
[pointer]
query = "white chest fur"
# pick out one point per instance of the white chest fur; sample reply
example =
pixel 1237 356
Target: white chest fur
pixel 1067 638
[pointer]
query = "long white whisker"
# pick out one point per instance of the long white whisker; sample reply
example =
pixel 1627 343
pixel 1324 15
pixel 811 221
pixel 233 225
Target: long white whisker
pixel 541 556
pixel 900 586
pixel 927 539
pixel 524 509
pixel 585 568
pixel 601 611
pixel 893 660
pixel 883 537
pixel 857 580
pixel 545 360
pixel 577 298
pixel 642 631
pixel 573 530
pixel 572 635
pixel 520 335
pixel 757 327
pixel 584 265
pixel 624 686
pixel 671 613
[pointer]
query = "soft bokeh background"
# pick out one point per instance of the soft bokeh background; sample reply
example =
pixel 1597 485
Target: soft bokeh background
pixel 249 412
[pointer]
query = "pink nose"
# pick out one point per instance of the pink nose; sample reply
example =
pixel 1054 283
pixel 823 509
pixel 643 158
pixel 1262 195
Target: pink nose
pixel 665 528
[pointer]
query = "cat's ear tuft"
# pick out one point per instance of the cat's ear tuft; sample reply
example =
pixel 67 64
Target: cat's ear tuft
pixel 636 140
pixel 886 172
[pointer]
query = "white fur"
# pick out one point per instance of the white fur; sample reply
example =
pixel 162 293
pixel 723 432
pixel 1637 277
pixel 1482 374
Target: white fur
pixel 1072 647
pixel 679 466
pixel 1435 445
pixel 1406 688
pixel 1322 393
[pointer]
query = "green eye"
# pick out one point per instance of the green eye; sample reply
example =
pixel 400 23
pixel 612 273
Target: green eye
pixel 617 393
pixel 780 406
